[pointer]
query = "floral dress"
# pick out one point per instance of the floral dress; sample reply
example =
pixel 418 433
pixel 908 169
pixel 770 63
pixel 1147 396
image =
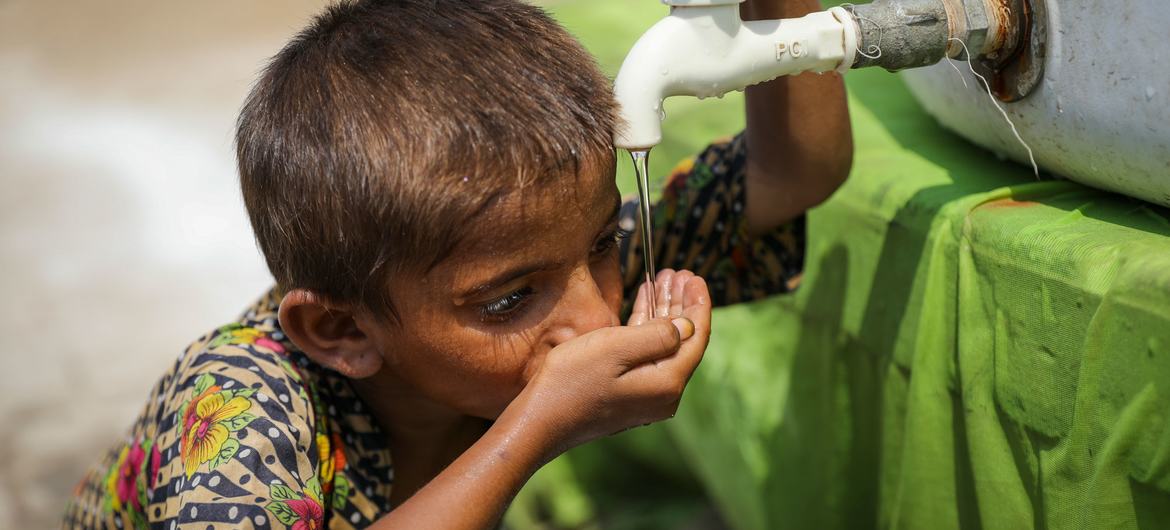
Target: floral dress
pixel 244 431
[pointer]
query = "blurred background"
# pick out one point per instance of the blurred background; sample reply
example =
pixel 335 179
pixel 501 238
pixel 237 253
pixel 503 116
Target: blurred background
pixel 122 233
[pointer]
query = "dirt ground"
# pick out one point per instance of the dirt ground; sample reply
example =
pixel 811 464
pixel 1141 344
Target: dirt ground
pixel 122 236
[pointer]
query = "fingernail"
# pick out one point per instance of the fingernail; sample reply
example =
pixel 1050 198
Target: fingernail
pixel 686 328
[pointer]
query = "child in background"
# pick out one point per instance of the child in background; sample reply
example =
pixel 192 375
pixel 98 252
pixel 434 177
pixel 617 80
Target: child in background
pixel 432 185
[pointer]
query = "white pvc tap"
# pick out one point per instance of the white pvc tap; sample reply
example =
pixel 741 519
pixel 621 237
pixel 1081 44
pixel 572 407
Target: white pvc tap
pixel 703 49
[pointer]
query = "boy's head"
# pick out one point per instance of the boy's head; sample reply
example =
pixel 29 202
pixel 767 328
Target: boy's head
pixel 372 138
pixel 402 160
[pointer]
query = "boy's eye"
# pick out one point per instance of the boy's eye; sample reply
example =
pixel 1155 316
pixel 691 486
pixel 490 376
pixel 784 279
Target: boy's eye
pixel 609 240
pixel 506 306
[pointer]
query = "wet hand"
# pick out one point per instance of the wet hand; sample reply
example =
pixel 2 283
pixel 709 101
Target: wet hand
pixel 669 297
pixel 612 379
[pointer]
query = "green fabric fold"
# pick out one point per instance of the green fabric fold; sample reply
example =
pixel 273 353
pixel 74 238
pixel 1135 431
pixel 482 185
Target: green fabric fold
pixel 970 348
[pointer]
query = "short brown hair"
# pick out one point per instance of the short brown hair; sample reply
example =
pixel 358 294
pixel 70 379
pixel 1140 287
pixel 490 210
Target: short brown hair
pixel 370 140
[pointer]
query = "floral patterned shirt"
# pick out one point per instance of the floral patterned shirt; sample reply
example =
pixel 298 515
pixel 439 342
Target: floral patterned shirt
pixel 244 431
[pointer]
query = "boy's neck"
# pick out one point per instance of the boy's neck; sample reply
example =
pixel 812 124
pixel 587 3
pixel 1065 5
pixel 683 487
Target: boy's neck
pixel 424 436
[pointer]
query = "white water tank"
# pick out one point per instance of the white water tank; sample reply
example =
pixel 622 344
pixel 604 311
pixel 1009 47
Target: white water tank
pixel 1101 114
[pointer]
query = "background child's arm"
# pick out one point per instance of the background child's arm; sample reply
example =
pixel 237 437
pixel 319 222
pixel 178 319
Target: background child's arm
pixel 799 142
pixel 597 384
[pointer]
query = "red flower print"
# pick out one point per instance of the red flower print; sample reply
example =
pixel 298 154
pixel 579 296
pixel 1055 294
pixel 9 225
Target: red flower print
pixel 338 452
pixel 127 486
pixel 310 516
pixel 155 464
pixel 266 342
pixel 297 510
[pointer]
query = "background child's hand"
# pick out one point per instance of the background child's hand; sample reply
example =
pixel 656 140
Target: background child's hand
pixel 612 379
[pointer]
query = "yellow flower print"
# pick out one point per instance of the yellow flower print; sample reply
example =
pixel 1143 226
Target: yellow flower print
pixel 208 421
pixel 325 457
pixel 114 502
pixel 332 461
pixel 238 334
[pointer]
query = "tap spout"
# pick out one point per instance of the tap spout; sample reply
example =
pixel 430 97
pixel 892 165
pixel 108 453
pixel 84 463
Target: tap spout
pixel 706 50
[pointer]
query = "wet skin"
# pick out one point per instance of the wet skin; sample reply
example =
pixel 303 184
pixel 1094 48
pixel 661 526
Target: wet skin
pixel 538 269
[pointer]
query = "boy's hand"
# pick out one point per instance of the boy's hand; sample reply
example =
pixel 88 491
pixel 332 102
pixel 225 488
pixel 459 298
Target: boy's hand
pixel 669 298
pixel 612 379
pixel 600 383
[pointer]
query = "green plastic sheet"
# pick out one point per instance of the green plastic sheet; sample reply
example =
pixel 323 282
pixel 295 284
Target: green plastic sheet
pixel 971 348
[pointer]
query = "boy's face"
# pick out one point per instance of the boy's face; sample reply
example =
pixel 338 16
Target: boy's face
pixel 538 267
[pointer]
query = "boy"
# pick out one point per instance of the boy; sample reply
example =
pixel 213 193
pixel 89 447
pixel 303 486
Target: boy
pixel 431 183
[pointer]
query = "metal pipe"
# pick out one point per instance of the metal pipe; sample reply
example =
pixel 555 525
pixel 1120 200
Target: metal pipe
pixel 1004 38
pixel 900 34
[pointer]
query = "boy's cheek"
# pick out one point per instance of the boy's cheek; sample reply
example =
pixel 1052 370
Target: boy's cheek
pixel 479 377
pixel 481 373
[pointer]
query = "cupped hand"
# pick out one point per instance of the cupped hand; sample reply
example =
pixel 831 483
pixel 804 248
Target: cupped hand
pixel 612 379
pixel 669 298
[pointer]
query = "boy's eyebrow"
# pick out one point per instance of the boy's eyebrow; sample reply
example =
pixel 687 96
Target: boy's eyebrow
pixel 523 270
pixel 505 277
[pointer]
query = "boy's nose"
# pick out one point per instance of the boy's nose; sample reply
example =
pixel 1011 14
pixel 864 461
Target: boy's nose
pixel 583 309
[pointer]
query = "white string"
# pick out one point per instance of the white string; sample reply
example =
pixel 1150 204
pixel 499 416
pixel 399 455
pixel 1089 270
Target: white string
pixel 995 101
pixel 962 77
pixel 875 50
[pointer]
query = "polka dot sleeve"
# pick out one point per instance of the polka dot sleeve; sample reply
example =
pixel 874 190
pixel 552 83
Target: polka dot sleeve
pixel 227 442
pixel 700 224
pixel 254 465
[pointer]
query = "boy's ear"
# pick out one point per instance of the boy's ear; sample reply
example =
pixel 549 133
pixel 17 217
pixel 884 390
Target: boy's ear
pixel 328 334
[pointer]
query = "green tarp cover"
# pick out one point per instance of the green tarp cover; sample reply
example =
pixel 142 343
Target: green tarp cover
pixel 970 348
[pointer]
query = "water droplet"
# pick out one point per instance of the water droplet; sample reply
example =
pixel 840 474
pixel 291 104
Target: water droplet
pixel 1151 92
